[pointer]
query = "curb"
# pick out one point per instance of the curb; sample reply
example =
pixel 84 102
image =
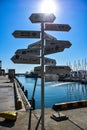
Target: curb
pixel 70 105
pixel 18 97
pixel 22 102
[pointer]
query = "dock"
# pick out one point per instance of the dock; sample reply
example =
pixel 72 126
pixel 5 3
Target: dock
pixel 77 118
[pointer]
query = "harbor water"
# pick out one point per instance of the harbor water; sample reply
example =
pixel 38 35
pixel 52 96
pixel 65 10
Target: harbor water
pixel 55 92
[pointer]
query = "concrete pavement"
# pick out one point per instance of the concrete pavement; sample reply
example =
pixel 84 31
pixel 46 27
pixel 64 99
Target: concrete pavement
pixel 6 94
pixel 77 120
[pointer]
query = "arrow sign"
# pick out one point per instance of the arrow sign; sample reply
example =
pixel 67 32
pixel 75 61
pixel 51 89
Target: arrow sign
pixel 38 43
pixel 20 59
pixel 49 61
pixel 35 45
pixel 48 77
pixel 53 70
pixel 49 37
pixel 60 43
pixel 57 27
pixel 28 52
pixel 42 17
pixel 58 69
pixel 54 46
pixel 53 49
pixel 26 34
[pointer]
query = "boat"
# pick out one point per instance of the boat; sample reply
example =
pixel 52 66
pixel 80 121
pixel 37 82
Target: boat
pixel 31 75
pixel 84 81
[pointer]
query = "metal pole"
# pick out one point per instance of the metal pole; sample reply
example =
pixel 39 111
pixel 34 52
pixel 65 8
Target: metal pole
pixel 38 123
pixel 34 88
pixel 42 76
pixel 29 125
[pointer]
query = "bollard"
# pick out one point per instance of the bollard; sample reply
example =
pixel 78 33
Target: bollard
pixel 32 102
pixel 75 104
pixel 84 103
pixel 64 106
pixel 19 104
pixel 26 93
pixel 22 88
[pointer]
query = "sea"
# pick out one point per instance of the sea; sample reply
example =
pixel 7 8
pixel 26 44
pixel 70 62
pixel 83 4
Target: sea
pixel 54 92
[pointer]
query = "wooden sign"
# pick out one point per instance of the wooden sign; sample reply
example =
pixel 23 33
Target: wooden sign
pixel 21 59
pixel 42 17
pixel 26 34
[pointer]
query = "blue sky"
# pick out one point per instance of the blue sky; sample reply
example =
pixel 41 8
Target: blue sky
pixel 14 15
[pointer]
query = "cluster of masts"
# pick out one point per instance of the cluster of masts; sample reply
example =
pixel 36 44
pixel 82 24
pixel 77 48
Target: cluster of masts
pixel 78 65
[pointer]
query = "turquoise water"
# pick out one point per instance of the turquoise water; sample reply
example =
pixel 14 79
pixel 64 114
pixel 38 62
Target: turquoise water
pixel 55 92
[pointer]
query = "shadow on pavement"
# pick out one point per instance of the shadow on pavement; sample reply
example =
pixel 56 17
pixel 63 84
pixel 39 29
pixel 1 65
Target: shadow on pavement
pixel 7 123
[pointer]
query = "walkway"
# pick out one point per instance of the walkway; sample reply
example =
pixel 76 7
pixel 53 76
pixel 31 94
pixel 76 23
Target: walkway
pixel 6 94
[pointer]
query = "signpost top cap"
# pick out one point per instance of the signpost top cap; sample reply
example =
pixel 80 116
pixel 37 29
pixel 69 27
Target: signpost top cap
pixel 42 17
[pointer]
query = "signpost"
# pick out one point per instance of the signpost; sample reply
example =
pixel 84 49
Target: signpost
pixel 22 59
pixel 42 17
pixel 52 46
pixel 26 34
pixel 57 27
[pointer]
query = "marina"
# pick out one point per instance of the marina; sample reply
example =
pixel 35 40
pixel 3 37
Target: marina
pixel 55 92
pixel 76 119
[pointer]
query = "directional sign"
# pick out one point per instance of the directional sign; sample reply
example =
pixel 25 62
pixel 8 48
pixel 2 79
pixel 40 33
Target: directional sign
pixel 49 37
pixel 55 46
pixel 38 43
pixel 26 34
pixel 49 61
pixel 42 17
pixel 48 77
pixel 28 52
pixel 51 77
pixel 57 27
pixel 53 49
pixel 60 43
pixel 25 59
pixel 58 69
pixel 53 70
pixel 35 45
